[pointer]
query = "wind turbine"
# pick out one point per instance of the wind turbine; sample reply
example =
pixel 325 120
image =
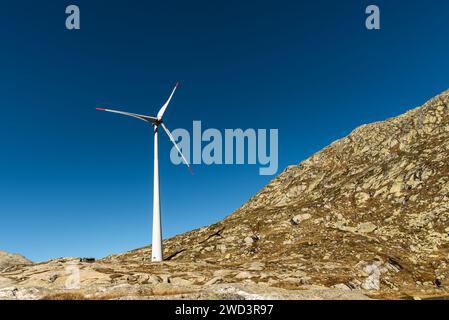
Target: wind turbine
pixel 156 122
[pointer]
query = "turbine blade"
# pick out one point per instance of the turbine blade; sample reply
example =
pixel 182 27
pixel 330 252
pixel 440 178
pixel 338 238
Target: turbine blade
pixel 176 146
pixel 138 116
pixel 161 112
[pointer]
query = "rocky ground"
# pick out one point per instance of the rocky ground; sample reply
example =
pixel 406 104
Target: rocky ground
pixel 9 259
pixel 101 280
pixel 367 216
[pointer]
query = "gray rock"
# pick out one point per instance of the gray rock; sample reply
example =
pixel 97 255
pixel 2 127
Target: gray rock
pixel 251 239
pixel 214 280
pixel 366 227
pixel 256 266
pixel 301 217
pixel 244 275
pixel 181 281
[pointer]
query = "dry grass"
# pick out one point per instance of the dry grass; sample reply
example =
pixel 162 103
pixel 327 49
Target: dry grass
pixel 65 296
pixel 150 292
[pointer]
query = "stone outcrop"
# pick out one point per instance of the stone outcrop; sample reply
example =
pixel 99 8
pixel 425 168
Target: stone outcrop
pixel 10 259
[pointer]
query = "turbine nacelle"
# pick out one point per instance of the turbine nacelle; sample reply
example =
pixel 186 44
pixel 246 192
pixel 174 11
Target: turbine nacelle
pixel 157 122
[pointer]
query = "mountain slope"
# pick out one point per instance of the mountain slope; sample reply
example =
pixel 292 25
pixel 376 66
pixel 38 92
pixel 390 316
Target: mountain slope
pixel 370 211
pixel 10 259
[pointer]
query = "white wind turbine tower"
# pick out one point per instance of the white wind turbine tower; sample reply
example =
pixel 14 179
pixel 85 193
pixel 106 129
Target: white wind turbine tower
pixel 156 122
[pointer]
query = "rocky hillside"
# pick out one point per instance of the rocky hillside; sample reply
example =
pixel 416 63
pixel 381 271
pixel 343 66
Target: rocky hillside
pixel 368 215
pixel 370 211
pixel 9 259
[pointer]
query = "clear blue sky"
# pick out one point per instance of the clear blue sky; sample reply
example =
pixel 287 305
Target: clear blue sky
pixel 77 182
